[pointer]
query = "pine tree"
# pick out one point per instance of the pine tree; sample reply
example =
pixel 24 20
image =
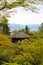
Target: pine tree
pixel 26 29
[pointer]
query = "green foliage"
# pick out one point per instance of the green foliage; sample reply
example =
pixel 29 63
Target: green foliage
pixel 2 3
pixel 39 33
pixel 4 26
pixel 26 29
pixel 41 28
pixel 9 64
pixel 15 31
pixel 27 52
pixel 5 45
pixel 27 4
pixel 4 40
pixel 24 3
pixel 31 52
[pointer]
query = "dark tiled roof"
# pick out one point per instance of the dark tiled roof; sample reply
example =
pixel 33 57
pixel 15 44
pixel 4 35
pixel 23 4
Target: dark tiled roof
pixel 20 35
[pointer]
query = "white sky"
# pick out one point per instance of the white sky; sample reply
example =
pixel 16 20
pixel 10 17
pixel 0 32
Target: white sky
pixel 27 17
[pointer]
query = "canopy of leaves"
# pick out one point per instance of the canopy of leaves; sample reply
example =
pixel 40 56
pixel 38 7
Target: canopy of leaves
pixel 5 5
pixel 22 53
pixel 4 40
pixel 5 48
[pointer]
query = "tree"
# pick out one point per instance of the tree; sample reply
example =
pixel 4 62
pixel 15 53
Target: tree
pixel 15 31
pixel 24 3
pixel 4 26
pixel 40 31
pixel 21 30
pixel 41 28
pixel 26 29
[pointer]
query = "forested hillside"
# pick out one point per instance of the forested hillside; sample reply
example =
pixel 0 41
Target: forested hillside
pixel 26 52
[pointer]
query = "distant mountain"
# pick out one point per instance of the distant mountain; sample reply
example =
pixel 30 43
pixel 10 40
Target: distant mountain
pixel 33 27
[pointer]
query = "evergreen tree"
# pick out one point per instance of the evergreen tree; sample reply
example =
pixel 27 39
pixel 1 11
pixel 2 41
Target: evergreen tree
pixel 4 28
pixel 41 28
pixel 26 29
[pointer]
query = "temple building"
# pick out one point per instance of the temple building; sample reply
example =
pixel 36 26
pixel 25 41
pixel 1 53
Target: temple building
pixel 19 36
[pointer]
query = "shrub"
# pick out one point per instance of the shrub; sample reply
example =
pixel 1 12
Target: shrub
pixel 5 49
pixel 4 40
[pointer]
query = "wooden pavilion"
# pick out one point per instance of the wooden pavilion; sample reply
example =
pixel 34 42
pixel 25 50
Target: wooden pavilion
pixel 19 36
